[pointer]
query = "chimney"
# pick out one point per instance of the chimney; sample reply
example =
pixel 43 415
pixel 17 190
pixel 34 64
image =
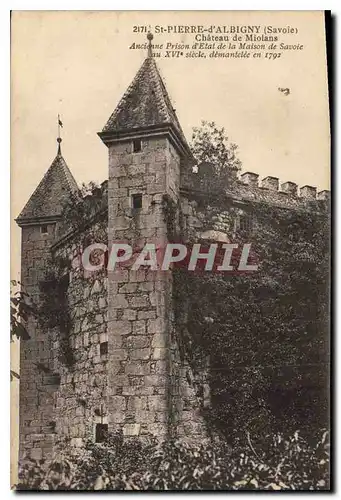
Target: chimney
pixel 289 187
pixel 308 192
pixel 250 178
pixel 323 195
pixel 270 183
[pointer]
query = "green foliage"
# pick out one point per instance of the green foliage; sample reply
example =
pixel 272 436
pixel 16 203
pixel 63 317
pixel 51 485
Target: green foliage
pixel 286 464
pixel 21 309
pixel 170 210
pixel 83 207
pixel 266 331
pixel 210 144
pixel 80 216
pixel 54 310
pixel 38 475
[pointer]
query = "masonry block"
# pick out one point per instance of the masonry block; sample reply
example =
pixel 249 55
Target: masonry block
pixel 157 403
pixel 137 342
pixel 140 354
pixel 139 327
pixel 131 429
pixel 135 368
pixel 122 327
pixel 159 340
pixel 137 402
pixel 118 402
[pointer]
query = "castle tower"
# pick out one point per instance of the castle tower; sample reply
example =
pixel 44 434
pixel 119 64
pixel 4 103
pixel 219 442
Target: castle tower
pixel 38 221
pixel 146 151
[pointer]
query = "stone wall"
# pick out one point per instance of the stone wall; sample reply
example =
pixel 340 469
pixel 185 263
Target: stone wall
pixel 128 369
pixel 61 401
pixel 36 407
pixel 145 378
pixel 203 220
pixel 81 398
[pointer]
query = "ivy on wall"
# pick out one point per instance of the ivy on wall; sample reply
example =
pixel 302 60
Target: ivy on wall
pixel 54 307
pixel 83 207
pixel 170 211
pixel 84 218
pixel 266 332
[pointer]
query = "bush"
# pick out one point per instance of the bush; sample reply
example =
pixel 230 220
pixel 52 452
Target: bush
pixel 286 464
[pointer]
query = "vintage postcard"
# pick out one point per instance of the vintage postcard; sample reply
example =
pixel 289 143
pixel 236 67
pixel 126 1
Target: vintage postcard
pixel 170 250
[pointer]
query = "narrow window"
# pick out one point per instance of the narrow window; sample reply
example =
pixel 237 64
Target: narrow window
pixel 137 145
pixel 65 282
pixel 101 433
pixel 43 229
pixel 52 425
pixel 245 223
pixel 137 201
pixel 103 348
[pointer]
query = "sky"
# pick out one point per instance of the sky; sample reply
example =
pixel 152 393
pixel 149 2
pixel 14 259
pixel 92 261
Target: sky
pixel 78 64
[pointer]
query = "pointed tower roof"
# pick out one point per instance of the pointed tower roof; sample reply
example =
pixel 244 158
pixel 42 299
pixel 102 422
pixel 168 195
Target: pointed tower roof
pixel 145 106
pixel 54 189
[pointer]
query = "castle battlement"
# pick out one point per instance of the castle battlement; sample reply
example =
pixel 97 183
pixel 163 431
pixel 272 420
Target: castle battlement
pixel 288 188
pixel 247 187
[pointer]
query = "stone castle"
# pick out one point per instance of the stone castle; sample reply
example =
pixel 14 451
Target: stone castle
pixel 126 373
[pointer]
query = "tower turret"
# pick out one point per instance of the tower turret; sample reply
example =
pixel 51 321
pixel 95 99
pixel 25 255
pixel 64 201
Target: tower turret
pixel 38 222
pixel 147 149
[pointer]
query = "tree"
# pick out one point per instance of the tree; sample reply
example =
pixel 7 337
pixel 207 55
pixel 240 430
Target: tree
pixel 210 144
pixel 21 307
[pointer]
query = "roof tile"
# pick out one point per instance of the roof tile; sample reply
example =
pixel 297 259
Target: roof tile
pixel 145 103
pixel 51 193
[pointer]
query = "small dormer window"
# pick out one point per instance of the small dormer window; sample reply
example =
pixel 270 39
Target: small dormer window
pixel 137 145
pixel 43 229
